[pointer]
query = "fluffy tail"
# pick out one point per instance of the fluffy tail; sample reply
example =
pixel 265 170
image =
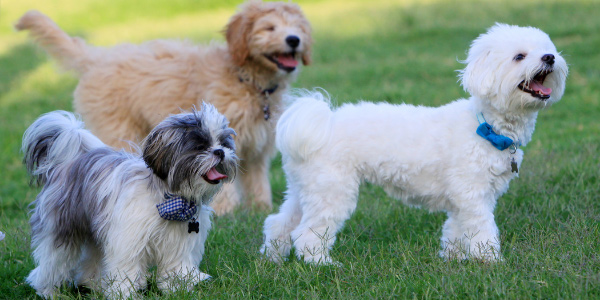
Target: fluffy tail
pixel 305 126
pixel 53 139
pixel 71 52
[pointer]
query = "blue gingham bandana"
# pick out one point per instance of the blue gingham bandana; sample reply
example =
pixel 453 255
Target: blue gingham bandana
pixel 176 208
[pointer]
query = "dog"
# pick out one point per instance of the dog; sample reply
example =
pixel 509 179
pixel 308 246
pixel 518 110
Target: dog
pixel 125 91
pixel 458 158
pixel 103 217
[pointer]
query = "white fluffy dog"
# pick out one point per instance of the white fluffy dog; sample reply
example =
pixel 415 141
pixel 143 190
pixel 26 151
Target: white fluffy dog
pixel 458 158
pixel 104 217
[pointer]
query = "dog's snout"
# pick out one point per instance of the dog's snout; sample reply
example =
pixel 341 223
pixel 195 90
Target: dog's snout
pixel 292 40
pixel 219 153
pixel 548 58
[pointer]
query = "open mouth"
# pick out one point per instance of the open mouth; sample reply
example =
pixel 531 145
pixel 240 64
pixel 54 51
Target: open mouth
pixel 213 176
pixel 284 61
pixel 536 87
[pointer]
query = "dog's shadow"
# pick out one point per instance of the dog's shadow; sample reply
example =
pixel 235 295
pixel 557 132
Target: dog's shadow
pixel 380 222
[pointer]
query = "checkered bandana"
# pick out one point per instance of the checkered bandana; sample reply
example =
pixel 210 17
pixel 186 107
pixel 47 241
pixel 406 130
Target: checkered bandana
pixel 176 208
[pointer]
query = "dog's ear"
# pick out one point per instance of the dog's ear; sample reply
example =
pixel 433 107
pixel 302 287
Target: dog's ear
pixel 307 37
pixel 237 33
pixel 155 156
pixel 306 56
pixel 477 78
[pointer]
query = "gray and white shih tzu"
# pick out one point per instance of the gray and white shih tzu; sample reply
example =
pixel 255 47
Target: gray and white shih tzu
pixel 104 217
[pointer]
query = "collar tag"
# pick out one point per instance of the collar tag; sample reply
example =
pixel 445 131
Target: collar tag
pixel 193 226
pixel 266 108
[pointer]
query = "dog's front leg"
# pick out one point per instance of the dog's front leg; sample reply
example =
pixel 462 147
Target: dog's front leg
pixel 122 283
pixel 123 273
pixel 228 198
pixel 471 233
pixel 182 277
pixel 256 184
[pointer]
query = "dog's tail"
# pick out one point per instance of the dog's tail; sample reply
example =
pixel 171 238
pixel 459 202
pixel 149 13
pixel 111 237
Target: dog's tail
pixel 305 126
pixel 71 52
pixel 53 139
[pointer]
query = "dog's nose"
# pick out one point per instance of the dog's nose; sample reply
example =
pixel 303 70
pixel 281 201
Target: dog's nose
pixel 220 153
pixel 292 40
pixel 548 58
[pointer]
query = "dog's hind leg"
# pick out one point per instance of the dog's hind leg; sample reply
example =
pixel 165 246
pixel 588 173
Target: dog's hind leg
pixel 278 227
pixel 228 198
pixel 54 265
pixel 256 183
pixel 326 205
pixel 89 271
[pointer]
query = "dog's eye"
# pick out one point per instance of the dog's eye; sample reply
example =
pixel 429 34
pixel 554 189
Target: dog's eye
pixel 270 28
pixel 519 57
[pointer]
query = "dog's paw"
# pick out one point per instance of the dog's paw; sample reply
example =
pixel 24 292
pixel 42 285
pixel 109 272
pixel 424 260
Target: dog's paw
pixel 276 252
pixel 203 277
pixel 321 260
pixel 173 281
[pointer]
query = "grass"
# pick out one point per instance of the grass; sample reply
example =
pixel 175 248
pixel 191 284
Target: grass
pixel 381 50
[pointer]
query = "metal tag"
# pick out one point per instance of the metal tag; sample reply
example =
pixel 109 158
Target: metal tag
pixel 267 112
pixel 513 166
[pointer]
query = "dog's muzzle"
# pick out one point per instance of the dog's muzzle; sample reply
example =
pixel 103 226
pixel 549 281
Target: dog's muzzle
pixel 535 86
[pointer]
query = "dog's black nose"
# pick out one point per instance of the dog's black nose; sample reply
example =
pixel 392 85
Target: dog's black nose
pixel 292 40
pixel 220 153
pixel 548 58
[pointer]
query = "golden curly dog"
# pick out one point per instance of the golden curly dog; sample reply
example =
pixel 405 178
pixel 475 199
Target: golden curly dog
pixel 126 90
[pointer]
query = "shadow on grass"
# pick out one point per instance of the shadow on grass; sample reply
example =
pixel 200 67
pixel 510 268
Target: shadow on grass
pixel 18 62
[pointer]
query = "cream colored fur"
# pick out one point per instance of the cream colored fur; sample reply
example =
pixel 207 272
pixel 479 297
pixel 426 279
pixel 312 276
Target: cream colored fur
pixel 126 90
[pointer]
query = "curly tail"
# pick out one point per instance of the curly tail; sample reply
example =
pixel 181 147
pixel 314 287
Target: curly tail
pixel 71 52
pixel 305 126
pixel 55 138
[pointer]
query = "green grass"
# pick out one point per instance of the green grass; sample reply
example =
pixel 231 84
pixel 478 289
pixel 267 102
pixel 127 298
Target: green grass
pixel 380 50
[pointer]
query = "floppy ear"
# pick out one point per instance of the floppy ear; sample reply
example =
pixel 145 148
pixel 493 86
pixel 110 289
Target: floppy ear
pixel 308 41
pixel 306 59
pixel 476 77
pixel 153 153
pixel 237 33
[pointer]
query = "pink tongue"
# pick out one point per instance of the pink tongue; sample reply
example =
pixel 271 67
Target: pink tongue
pixel 213 174
pixel 538 87
pixel 287 60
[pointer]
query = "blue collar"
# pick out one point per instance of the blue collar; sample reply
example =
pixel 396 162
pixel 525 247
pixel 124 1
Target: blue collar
pixel 176 208
pixel 501 142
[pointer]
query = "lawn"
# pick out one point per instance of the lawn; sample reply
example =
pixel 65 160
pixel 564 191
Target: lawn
pixel 379 50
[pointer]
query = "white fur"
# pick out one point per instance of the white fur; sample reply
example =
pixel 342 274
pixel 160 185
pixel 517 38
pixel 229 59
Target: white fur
pixel 427 157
